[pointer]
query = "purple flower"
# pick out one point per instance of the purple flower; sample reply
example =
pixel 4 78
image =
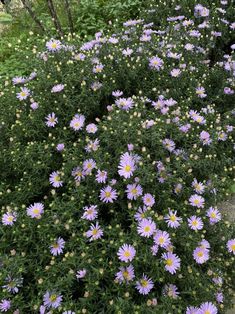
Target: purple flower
pixel 57 247
pixel 51 120
pixel 127 52
pixel 156 63
pixel 52 300
pixel 133 191
pixel 18 80
pixel 144 285
pixel 9 218
pixel 124 103
pixel 200 91
pixel 201 255
pixel 198 186
pixel 55 179
pixel 146 227
pixel 34 105
pixel 126 166
pixel 81 273
pixel 195 223
pixel 126 253
pixel 95 232
pixel 214 215
pixel 60 147
pixel 23 94
pixel 172 262
pixel 77 122
pixel 91 128
pixel 57 88
pixel 192 310
pixel 172 220
pixel 171 291
pixel 53 45
pixel 36 210
pixel 169 144
pixel 207 308
pixel 5 305
pixel 162 239
pixel 197 201
pixel 222 136
pixel 88 165
pixel 231 246
pixel 205 138
pixel 117 93
pixel 125 274
pixel 148 200
pixel 90 213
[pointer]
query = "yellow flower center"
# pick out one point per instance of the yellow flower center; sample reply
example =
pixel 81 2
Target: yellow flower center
pixel 127 168
pixel 169 262
pixel 194 223
pixel 107 194
pixel 233 247
pixel 55 245
pixel 126 274
pixel 10 218
pixel 127 254
pixel 57 178
pixel 144 283
pixel 200 254
pixel 173 218
pixel 213 215
pixel 147 228
pixel 134 191
pixel 36 211
pixel 53 297
pixel 161 240
pixel 94 232
pixel 54 45
pixel 23 94
pixel 196 201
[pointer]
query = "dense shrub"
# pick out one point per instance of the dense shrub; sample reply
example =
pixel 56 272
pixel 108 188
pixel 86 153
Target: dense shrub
pixel 124 140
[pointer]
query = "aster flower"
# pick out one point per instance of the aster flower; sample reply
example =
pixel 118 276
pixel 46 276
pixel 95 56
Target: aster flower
pixel 34 105
pixel 141 213
pixel 175 72
pixel 127 52
pixel 81 273
pixel 195 223
pixel 169 144
pixel 171 291
pixel 98 68
pixel 125 274
pixel 91 128
pixel 57 88
pixel 78 174
pixel 126 166
pixel 92 146
pixel 192 310
pixel 199 187
pixel 222 136
pixel 5 305
pixel 133 191
pixel 156 63
pixel 126 253
pixel 95 232
pixel 205 138
pixel 90 213
pixel 18 80
pixel 201 255
pixel 219 297
pixel 172 220
pixel 231 246
pixel 9 218
pixel 36 210
pixel 200 91
pixel 52 300
pixel 55 179
pixel 88 165
pixel 144 285
pixel 51 120
pixel 13 284
pixel 57 247
pixel 60 147
pixel 162 239
pixel 117 93
pixel 53 45
pixel 23 94
pixel 108 195
pixel 77 122
pixel 146 227
pixel 172 262
pixel 196 201
pixel 101 176
pixel 124 103
pixel 148 200
pixel 207 308
pixel 214 215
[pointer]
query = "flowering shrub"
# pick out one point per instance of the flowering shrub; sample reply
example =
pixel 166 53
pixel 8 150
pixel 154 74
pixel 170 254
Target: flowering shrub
pixel 114 156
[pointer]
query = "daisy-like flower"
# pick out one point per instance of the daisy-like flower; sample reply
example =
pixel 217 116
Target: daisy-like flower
pixel 141 213
pixel 23 94
pixel 95 232
pixel 51 120
pixel 148 200
pixel 60 147
pixel 77 122
pixel 34 105
pixel 169 144
pixel 125 274
pixel 195 116
pixel 57 88
pixel 98 68
pixel 172 220
pixel 124 103
pixel 195 223
pixel 199 187
pixel 162 239
pixel 90 213
pixel 200 92
pixel 127 52
pixel 92 146
pixel 201 255
pixel 231 246
pixel 18 80
pixel 133 191
pixel 144 285
pixel 88 165
pixel 197 201
pixel 53 45
pixel 207 308
pixel 52 300
pixel 5 305
pixel 222 136
pixel 36 210
pixel 172 262
pixel 57 247
pixel 108 195
pixel 55 179
pixel 214 215
pixel 192 310
pixel 171 291
pixel 81 273
pixel 219 297
pixel 126 253
pixel 117 93
pixel 146 227
pixel 175 72
pixel 78 174
pixel 9 218
pixel 91 128
pixel 101 176
pixel 13 284
pixel 156 63
pixel 205 138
